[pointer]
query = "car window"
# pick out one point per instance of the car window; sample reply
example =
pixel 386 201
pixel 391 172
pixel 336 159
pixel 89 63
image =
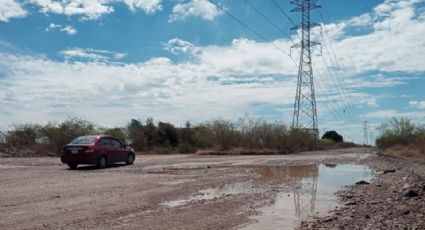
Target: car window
pixel 105 142
pixel 115 143
pixel 84 140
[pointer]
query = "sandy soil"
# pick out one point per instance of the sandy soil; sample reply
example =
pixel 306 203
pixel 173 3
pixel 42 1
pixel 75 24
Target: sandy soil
pixel 174 191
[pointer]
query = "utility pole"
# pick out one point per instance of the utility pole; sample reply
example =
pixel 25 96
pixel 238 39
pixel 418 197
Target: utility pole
pixel 365 136
pixel 372 139
pixel 305 111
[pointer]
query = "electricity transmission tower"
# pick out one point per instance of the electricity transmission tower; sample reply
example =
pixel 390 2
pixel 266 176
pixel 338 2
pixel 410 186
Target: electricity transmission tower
pixel 305 112
pixel 365 135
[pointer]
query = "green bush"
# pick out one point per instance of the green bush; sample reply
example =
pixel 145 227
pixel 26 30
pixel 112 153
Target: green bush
pixel 260 134
pixel 223 134
pixel 334 136
pixel 167 135
pixel 397 131
pixel 300 140
pixel 219 134
pixel 136 135
pixel 22 135
pixel 118 133
pixel 60 134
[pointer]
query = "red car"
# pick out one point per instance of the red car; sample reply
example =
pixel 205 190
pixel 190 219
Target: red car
pixel 96 150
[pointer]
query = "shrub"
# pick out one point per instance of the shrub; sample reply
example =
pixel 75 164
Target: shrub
pixel 22 135
pixel 420 139
pixel 118 133
pixel 260 134
pixel 167 135
pixel 136 135
pixel 397 131
pixel 187 148
pixel 223 133
pixel 333 135
pixel 60 134
pixel 300 140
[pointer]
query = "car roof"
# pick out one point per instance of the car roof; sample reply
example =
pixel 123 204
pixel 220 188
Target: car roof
pixel 98 136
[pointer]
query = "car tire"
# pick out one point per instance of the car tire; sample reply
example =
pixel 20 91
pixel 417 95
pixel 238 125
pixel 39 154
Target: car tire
pixel 130 159
pixel 102 162
pixel 72 166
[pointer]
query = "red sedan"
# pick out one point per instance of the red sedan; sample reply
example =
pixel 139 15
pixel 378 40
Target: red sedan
pixel 96 150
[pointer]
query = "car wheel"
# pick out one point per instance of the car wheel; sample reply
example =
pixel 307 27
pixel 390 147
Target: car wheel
pixel 130 159
pixel 102 163
pixel 72 166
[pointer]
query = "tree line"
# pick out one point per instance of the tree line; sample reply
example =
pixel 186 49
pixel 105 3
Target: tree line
pixel 165 137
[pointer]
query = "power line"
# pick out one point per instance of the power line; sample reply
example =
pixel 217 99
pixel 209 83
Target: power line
pixel 250 29
pixel 283 12
pixel 344 88
pixel 267 19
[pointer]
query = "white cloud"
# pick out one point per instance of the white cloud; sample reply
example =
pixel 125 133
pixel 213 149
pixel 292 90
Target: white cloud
pixel 67 29
pixel 395 44
pixel 149 6
pixel 88 9
pixel 11 9
pixel 417 104
pixel 195 8
pixel 178 46
pixel 91 54
pixel 362 20
pixel 94 9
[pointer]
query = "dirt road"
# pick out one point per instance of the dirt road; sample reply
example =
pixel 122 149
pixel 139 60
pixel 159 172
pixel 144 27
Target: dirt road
pixel 179 191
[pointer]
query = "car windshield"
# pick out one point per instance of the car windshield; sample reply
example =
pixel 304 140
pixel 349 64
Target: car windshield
pixel 84 140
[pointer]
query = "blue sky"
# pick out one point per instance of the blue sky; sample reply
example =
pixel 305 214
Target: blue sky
pixel 112 60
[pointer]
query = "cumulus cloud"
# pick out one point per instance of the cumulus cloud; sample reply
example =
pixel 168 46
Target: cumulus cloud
pixel 88 9
pixel 195 8
pixel 11 9
pixel 94 9
pixel 178 46
pixel 67 29
pixel 382 49
pixel 149 6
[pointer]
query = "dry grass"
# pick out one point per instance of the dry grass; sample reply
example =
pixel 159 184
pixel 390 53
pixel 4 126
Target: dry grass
pixel 400 151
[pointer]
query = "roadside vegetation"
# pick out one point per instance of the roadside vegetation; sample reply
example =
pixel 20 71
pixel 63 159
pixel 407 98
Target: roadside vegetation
pixel 401 137
pixel 246 136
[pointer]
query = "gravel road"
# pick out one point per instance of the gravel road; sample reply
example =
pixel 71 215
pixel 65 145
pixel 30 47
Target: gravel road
pixel 194 192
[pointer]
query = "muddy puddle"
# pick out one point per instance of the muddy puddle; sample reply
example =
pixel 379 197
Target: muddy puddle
pixel 298 192
pixel 310 191
pixel 217 192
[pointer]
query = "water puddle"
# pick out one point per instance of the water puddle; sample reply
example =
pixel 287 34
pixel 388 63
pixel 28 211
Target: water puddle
pixel 215 193
pixel 310 192
pixel 299 191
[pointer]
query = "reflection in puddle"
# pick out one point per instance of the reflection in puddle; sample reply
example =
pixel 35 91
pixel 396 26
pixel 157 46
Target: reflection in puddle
pixel 311 192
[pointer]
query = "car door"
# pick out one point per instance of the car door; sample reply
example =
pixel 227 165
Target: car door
pixel 107 149
pixel 119 150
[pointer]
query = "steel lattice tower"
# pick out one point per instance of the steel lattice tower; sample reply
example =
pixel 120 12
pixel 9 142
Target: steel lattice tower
pixel 305 112
pixel 365 135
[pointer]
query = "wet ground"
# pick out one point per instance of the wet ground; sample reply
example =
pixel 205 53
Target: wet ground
pixel 179 191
